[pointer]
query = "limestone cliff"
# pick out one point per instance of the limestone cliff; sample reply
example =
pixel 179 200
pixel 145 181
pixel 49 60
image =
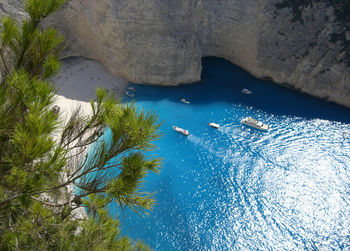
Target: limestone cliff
pixel 161 42
pixel 12 8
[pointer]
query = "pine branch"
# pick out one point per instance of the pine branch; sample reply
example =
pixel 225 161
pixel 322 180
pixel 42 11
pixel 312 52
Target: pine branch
pixel 4 62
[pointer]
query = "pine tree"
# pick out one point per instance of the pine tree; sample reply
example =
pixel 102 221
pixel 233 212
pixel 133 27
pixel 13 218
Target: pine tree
pixel 103 155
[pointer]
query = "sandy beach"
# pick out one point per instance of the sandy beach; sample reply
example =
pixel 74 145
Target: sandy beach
pixel 77 81
pixel 76 84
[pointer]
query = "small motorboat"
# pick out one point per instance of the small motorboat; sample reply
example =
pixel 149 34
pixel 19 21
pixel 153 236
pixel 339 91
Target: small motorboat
pixel 130 94
pixel 185 101
pixel 132 89
pixel 180 130
pixel 246 91
pixel 249 121
pixel 216 126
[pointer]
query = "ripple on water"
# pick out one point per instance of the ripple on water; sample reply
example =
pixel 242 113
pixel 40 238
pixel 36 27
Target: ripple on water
pixel 238 188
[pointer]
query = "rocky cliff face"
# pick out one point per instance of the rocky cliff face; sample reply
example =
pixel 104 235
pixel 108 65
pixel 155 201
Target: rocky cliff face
pixel 162 41
pixel 12 8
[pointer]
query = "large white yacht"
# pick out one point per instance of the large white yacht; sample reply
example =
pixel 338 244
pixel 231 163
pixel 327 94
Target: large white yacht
pixel 249 121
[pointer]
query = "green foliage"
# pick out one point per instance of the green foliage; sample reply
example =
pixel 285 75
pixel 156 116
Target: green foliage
pixel 341 9
pixel 9 32
pixel 36 171
pixel 297 7
pixel 37 9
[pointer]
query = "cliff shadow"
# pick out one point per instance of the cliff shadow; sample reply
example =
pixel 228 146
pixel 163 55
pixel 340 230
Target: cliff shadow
pixel 221 81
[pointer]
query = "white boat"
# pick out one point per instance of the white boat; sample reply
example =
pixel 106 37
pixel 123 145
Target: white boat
pixel 180 130
pixel 249 121
pixel 246 91
pixel 216 126
pixel 130 94
pixel 185 101
pixel 132 89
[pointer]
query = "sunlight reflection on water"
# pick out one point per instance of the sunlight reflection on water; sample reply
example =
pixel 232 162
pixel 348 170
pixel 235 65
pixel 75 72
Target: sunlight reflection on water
pixel 238 188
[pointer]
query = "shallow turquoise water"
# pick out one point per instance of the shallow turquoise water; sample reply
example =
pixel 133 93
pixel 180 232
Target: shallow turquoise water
pixel 238 188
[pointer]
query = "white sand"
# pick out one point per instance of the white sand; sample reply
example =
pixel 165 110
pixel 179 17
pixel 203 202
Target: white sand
pixel 76 84
pixel 77 81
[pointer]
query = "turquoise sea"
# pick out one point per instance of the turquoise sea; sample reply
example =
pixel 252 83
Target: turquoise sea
pixel 237 188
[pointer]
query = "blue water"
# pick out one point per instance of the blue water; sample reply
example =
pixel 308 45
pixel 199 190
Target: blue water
pixel 238 188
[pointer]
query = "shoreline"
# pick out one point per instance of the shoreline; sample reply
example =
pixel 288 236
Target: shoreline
pixel 77 80
pixel 75 86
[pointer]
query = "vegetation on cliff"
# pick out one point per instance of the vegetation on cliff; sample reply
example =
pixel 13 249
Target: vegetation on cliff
pixel 41 158
pixel 341 10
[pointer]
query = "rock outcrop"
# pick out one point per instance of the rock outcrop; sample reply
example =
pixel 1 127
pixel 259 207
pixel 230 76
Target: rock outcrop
pixel 12 8
pixel 161 42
